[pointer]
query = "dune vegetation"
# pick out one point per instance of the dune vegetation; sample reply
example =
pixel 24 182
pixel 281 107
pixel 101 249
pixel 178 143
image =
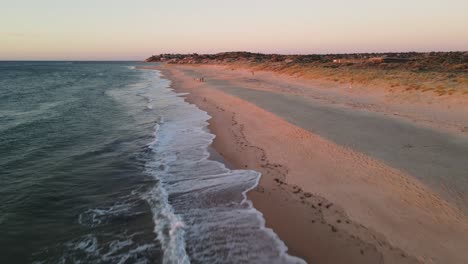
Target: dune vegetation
pixel 442 73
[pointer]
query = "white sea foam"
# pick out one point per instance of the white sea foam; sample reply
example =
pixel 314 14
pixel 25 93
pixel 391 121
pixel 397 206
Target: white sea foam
pixel 200 208
pixel 89 249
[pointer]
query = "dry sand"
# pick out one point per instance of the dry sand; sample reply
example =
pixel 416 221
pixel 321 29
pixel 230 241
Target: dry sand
pixel 330 203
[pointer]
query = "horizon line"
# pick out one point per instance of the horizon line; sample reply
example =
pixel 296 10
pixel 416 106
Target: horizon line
pixel 213 53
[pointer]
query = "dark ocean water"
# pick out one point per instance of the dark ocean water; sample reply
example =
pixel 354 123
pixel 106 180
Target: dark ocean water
pixel 103 163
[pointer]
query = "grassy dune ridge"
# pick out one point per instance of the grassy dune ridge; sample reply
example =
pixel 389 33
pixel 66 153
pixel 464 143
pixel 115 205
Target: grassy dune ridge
pixel 442 73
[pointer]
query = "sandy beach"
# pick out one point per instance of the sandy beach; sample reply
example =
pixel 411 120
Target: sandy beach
pixel 234 132
pixel 347 177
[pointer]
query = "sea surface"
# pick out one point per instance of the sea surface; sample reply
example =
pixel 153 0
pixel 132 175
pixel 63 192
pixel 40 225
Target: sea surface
pixel 103 163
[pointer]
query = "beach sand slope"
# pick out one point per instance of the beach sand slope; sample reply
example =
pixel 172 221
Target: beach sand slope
pixel 329 202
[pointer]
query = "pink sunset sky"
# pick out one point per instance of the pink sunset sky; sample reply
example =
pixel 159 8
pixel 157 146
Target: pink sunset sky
pixel 134 30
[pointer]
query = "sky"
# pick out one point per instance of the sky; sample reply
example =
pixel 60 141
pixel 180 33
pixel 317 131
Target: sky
pixel 134 30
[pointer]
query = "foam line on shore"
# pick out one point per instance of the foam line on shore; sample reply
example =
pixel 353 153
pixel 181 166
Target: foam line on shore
pixel 199 203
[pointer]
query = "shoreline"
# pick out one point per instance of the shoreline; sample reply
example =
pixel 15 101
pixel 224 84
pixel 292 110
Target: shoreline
pixel 313 227
pixel 393 130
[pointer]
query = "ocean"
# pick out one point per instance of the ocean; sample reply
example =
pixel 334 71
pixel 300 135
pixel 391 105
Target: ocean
pixel 102 162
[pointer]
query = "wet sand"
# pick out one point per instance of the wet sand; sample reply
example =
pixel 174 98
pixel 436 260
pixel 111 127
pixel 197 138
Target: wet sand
pixel 338 185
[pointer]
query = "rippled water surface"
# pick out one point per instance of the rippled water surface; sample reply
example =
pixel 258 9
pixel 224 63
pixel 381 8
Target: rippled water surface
pixel 103 163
